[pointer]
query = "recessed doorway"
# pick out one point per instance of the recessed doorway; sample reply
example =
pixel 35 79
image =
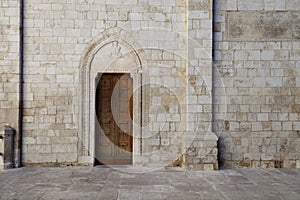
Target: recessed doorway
pixel 114 110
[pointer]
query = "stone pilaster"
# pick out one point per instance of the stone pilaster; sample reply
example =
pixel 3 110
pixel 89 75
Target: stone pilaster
pixel 200 142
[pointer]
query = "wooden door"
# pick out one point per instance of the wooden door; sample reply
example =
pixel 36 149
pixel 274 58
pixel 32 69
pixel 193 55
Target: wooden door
pixel 114 141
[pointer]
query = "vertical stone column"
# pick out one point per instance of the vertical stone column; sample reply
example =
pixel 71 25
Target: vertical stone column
pixel 200 142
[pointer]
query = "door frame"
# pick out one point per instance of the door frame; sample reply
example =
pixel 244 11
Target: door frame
pixel 89 71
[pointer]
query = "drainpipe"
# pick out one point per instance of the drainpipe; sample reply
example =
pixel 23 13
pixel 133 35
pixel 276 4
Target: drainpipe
pixel 140 71
pixel 21 86
pixel 141 113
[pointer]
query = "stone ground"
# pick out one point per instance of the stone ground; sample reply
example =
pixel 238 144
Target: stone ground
pixel 122 183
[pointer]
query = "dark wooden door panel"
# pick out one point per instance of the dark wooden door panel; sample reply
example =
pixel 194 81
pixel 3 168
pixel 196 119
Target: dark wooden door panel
pixel 114 141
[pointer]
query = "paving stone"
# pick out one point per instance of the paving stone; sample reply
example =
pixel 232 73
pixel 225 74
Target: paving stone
pixel 105 183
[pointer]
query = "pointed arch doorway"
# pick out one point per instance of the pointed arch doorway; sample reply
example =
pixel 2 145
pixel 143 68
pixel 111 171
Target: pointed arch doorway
pixel 108 55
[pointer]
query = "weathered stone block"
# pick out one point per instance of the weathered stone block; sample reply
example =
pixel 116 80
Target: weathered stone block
pixel 262 25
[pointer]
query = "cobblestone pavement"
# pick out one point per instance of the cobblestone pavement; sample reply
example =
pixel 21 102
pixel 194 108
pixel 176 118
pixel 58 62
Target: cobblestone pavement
pixel 122 183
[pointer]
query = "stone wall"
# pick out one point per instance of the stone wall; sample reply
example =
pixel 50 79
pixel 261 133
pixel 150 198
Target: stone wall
pixel 253 82
pixel 257 84
pixel 9 66
pixel 200 147
pixel 57 36
pixel 53 45
pixel 64 50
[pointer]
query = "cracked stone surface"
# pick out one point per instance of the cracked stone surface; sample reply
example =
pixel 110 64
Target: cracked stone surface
pixel 107 183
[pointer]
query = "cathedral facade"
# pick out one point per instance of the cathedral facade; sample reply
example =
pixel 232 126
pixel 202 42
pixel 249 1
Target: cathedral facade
pixel 200 84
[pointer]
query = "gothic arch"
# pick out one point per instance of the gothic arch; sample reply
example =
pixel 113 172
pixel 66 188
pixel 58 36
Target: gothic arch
pixel 109 52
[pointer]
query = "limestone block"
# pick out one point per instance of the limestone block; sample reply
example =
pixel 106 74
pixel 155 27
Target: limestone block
pixel 42 140
pixel 293 116
pixel 267 156
pixel 66 157
pixel 298 164
pixel 165 142
pixel 237 156
pixel 38 158
pixel 86 160
pixel 155 157
pixel 256 126
pixel 273 25
pixel 276 126
pixel 296 126
pixel 283 116
pixel 64 148
pixel 267 55
pixel 289 163
pixel 292 5
pixel 287 126
pixel 34 148
pixel 203 14
pixel 155 142
pixel 29 140
pixel 234 126
pixel 209 167
pixel 257 141
pixel 262 117
pixel 280 5
pixel 135 16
